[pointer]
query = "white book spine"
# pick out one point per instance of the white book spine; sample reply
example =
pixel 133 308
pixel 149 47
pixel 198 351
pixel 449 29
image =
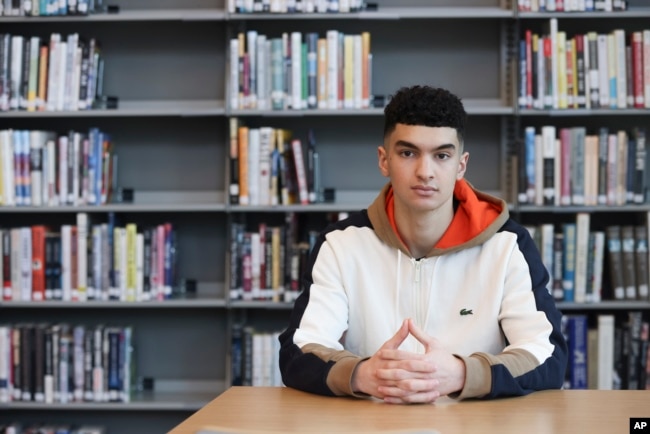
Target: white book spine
pixel 296 70
pixel 332 68
pixel 82 256
pixel 554 61
pixel 72 43
pixel 266 137
pixel 66 257
pixel 605 352
pixel 26 263
pixel 357 87
pixel 621 69
pixel 5 363
pixel 262 72
pixel 53 71
pixel 603 69
pixel 60 86
pixel 7 168
pixel 52 193
pixel 76 80
pixel 253 166
pixel 548 157
pixel 582 247
pixel 63 164
pixel 16 76
pixel 539 170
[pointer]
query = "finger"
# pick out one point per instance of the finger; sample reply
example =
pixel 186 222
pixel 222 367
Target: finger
pixel 400 355
pixel 424 370
pixel 403 389
pixel 416 398
pixel 396 340
pixel 429 342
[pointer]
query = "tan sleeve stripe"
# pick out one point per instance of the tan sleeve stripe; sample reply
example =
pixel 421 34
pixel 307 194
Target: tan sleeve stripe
pixel 339 379
pixel 478 379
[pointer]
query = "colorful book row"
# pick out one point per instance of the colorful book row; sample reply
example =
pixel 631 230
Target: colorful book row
pixel 62 363
pixel 81 262
pixel 296 71
pixel 612 352
pixel 591 70
pixel 588 265
pixel 40 8
pixel 39 168
pixel 576 166
pixel 571 5
pixel 55 74
pixel 294 6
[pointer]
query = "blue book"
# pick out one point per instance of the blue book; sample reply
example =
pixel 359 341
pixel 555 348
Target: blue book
pixel 569 256
pixel 529 144
pixel 577 342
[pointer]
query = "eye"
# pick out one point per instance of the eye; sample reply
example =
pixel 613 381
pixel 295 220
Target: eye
pixel 443 156
pixel 406 153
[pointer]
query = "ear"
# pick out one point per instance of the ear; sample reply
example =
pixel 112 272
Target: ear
pixel 382 157
pixel 462 165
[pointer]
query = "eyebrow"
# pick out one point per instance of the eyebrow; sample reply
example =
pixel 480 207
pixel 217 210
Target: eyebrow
pixel 406 144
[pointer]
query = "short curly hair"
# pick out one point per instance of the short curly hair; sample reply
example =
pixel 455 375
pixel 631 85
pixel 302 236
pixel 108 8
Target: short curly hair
pixel 427 106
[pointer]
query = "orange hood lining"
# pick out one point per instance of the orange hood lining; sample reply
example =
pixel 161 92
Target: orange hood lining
pixel 471 217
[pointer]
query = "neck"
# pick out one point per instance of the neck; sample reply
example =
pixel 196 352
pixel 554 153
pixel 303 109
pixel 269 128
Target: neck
pixel 422 231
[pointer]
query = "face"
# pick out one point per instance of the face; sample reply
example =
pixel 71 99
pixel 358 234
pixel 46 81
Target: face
pixel 423 164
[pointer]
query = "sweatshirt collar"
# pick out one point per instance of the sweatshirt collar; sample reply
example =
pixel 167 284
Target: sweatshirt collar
pixel 477 217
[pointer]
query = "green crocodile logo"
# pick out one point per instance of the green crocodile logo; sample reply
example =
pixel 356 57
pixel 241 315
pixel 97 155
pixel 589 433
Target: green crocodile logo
pixel 466 312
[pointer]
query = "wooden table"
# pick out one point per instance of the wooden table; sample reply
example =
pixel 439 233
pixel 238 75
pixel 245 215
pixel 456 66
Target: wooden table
pixel 284 410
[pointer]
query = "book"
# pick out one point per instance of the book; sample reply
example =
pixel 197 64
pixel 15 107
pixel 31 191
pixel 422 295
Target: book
pixel 233 187
pixel 39 234
pixel 301 173
pixel 569 257
pixel 605 351
pixel 581 256
pixel 558 263
pixel 548 155
pixel 592 358
pixel 615 261
pixel 628 243
pixel 639 169
pixel 641 262
pixel 577 342
pixel 242 155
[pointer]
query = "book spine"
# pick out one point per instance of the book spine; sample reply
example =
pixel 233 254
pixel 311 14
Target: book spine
pixel 641 262
pixel 548 155
pixel 615 261
pixel 569 256
pixel 38 262
pixel 312 69
pixel 577 332
pixel 301 176
pixel 628 256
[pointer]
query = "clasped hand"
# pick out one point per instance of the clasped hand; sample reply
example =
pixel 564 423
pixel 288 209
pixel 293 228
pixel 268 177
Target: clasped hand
pixel 404 377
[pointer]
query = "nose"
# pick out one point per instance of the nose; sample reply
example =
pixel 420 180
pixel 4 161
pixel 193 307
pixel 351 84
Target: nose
pixel 425 168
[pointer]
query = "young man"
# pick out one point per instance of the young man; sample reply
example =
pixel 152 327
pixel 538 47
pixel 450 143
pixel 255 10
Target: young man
pixel 431 291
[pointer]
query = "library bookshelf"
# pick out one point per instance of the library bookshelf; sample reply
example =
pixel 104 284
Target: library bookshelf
pixel 168 63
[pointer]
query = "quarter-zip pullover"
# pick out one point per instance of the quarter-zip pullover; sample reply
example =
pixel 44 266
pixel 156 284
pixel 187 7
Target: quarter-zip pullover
pixel 482 291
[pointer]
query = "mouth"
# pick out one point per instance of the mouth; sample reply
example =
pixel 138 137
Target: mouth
pixel 424 190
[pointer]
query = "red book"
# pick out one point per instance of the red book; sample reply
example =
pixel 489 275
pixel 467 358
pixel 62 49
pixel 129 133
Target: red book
pixel 38 262
pixel 637 69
